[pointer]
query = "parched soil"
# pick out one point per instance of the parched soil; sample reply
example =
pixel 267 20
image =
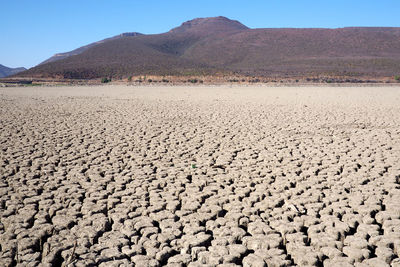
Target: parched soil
pixel 185 176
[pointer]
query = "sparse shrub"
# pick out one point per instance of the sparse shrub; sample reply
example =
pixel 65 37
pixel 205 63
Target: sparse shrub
pixel 193 80
pixel 105 80
pixel 129 78
pixel 397 78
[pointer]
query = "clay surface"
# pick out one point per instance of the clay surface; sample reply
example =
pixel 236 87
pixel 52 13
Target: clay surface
pixel 200 176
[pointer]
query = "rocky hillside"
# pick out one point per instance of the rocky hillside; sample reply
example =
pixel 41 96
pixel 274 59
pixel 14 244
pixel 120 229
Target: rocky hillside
pixel 86 47
pixel 220 45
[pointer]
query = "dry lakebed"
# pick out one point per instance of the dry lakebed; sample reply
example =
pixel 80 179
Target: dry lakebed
pixel 122 175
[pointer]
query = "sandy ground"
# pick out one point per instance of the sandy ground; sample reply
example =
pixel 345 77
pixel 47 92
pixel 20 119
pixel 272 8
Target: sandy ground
pixel 177 176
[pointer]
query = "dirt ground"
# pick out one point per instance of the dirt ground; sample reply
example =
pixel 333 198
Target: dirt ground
pixel 200 176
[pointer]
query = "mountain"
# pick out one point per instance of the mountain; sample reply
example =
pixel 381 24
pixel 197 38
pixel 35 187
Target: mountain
pixel 6 71
pixel 219 45
pixel 86 47
pixel 205 26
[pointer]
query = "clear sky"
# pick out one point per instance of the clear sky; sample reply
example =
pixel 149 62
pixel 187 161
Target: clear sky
pixel 33 30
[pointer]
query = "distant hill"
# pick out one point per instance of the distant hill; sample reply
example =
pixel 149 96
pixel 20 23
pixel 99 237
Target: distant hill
pixel 220 45
pixel 207 26
pixel 86 47
pixel 6 71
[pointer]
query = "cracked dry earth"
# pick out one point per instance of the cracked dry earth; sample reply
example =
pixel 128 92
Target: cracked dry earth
pixel 200 176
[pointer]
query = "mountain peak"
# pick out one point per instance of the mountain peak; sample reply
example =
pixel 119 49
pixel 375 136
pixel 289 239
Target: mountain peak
pixel 210 25
pixel 130 34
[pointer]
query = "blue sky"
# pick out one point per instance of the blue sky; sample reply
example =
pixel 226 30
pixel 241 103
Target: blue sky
pixel 33 30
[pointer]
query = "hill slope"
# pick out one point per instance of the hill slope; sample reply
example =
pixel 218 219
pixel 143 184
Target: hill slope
pixel 86 47
pixel 215 45
pixel 6 71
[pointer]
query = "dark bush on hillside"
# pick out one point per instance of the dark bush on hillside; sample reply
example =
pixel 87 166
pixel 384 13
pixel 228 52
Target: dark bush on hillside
pixel 105 80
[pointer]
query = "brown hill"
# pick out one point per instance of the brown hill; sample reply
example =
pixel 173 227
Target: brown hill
pixel 211 45
pixel 206 26
pixel 82 49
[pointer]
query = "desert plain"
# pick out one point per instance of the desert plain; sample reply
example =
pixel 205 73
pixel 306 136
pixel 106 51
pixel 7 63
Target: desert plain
pixel 200 176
